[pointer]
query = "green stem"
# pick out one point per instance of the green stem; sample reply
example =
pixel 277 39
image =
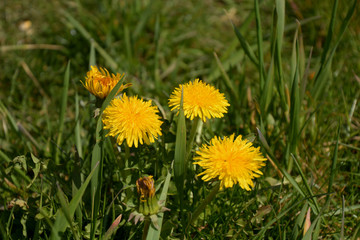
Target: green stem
pixel 192 137
pixel 146 228
pixel 127 153
pixel 205 202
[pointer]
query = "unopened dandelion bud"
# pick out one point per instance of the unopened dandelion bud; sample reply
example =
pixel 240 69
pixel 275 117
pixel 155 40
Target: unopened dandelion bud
pixel 100 82
pixel 148 203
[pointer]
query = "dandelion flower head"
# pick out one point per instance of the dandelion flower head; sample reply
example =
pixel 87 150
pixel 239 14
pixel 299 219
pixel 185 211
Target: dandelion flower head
pixel 132 119
pixel 145 188
pixel 100 82
pixel 199 100
pixel 230 161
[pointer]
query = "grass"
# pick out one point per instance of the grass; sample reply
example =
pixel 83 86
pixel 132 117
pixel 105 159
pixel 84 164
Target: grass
pixel 289 70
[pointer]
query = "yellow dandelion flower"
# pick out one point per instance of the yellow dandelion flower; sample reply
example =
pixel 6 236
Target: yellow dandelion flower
pixel 230 161
pixel 100 82
pixel 200 100
pixel 132 119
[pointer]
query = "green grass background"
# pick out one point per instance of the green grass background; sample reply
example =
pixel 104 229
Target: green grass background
pixel 158 45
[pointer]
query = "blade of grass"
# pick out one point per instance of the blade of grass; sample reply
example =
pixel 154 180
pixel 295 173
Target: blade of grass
pixel 339 211
pixel 4 157
pixel 265 98
pixel 333 165
pixel 261 233
pixel 306 184
pixel 226 78
pixel 154 233
pixel 180 153
pixel 96 181
pixel 77 176
pixel 98 155
pixel 291 145
pixel 16 127
pixel 321 79
pixel 299 222
pixel 342 218
pixel 65 210
pixel 245 45
pixel 204 203
pixel 260 45
pixel 305 77
pixel 330 33
pixel 63 110
pixel 282 169
pixel 60 221
pixel 112 229
pixel 78 143
pixel 111 95
pixel 309 232
pixel 280 25
pixel 331 181
pixel 110 61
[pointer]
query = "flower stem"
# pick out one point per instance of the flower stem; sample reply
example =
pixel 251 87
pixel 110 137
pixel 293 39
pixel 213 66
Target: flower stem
pixel 127 153
pixel 205 202
pixel 146 228
pixel 192 137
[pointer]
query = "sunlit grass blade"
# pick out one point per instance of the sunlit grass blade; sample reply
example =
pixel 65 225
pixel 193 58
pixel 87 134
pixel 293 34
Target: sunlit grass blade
pixel 154 233
pixel 60 221
pixel 62 110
